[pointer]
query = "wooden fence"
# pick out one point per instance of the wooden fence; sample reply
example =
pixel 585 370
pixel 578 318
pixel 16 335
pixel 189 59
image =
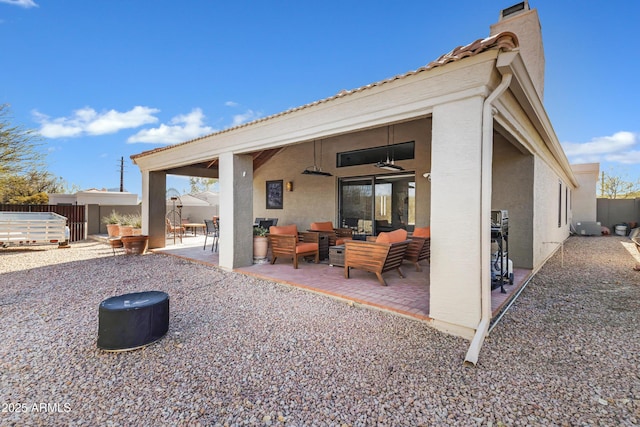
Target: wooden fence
pixel 75 215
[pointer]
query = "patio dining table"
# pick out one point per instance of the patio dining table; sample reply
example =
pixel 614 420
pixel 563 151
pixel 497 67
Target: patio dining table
pixel 194 226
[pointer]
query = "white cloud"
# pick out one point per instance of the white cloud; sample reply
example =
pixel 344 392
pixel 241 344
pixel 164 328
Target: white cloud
pixel 626 158
pixel 601 145
pixel 112 121
pixel 231 104
pixel 181 128
pixel 87 121
pixel 23 3
pixel 247 116
pixel 618 147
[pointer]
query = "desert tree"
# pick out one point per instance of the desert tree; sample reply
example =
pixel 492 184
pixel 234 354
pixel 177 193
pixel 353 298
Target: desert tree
pixel 19 147
pixel 199 185
pixel 23 177
pixel 617 186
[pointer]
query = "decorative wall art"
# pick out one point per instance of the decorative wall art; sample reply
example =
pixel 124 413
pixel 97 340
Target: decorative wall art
pixel 274 194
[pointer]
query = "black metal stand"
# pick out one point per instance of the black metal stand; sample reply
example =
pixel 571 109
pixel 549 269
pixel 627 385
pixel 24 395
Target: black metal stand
pixel 500 236
pixel 176 217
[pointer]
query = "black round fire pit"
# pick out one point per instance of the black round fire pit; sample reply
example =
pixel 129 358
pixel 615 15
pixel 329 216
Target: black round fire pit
pixel 131 321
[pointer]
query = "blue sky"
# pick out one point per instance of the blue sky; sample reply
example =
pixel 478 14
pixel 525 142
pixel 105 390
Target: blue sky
pixel 105 79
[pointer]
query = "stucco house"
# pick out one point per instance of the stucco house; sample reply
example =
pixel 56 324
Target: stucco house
pixel 195 207
pixel 94 197
pixel 584 202
pixel 439 146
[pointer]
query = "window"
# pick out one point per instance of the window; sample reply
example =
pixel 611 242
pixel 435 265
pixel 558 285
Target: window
pixel 566 205
pixel 560 204
pixel 367 156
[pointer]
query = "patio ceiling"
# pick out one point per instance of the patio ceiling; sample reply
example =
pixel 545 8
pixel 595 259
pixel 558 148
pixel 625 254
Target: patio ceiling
pixel 210 167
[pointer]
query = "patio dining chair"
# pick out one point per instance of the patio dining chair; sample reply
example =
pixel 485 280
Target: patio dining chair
pixel 174 229
pixel 267 222
pixel 213 231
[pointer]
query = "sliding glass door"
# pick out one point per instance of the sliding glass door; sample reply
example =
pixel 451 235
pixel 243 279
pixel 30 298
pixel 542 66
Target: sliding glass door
pixel 370 205
pixel 356 204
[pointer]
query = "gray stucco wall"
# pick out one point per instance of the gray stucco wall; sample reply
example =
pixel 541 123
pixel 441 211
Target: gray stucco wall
pixel 512 189
pixel 618 211
pixel 95 213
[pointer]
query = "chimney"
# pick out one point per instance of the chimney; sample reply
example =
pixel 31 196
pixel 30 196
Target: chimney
pixel 524 22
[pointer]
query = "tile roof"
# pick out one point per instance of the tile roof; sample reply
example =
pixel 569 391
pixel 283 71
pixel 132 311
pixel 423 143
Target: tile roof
pixel 505 40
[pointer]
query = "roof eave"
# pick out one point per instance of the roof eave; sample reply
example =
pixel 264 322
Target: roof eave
pixel 524 90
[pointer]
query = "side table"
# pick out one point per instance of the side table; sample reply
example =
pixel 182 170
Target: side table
pixel 336 256
pixel 323 243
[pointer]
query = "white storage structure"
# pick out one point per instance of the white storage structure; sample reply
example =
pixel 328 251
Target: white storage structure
pixel 19 228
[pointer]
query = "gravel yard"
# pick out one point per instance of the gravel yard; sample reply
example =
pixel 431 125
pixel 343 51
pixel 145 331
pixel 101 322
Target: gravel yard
pixel 245 351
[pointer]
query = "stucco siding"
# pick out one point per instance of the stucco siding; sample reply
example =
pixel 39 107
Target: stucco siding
pixel 512 189
pixel 236 207
pixel 546 171
pixel 584 205
pixel 547 235
pixel 455 215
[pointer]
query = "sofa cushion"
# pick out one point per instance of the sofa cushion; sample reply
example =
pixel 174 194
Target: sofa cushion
pixel 322 226
pixel 284 229
pixel 392 236
pixel 303 247
pixel 422 232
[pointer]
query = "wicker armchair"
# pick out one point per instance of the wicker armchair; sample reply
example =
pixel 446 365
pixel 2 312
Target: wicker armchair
pixel 337 236
pixel 420 247
pixel 378 257
pixel 285 241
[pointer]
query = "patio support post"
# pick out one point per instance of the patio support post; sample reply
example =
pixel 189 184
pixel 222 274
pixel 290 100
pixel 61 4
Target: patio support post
pixel 154 206
pixel 236 210
pixel 456 212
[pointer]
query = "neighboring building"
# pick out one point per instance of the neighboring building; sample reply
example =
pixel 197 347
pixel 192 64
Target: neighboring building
pixel 584 199
pixel 470 133
pixel 194 208
pixel 211 197
pixel 98 204
pixel 94 197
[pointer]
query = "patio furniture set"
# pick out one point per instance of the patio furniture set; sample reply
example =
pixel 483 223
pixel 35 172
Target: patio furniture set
pixel 209 227
pixel 377 254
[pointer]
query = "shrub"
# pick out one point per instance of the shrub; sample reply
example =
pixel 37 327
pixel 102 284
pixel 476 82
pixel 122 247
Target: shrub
pixel 113 218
